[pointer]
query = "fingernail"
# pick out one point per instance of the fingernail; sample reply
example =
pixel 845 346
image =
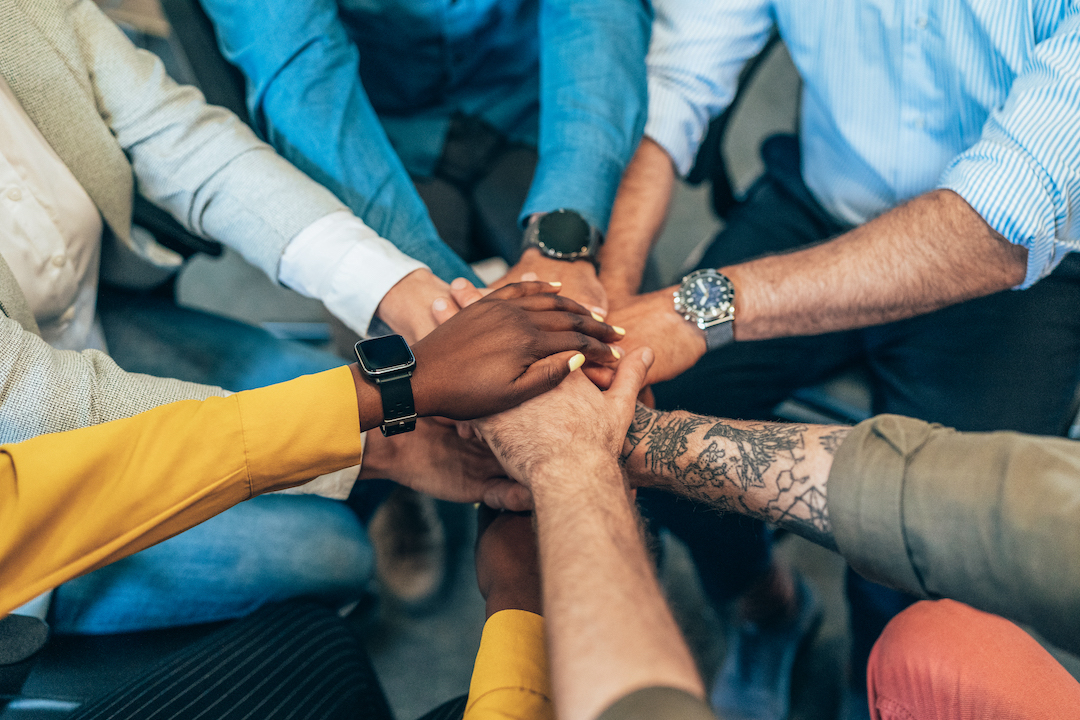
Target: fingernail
pixel 597 317
pixel 576 362
pixel 598 311
pixel 439 305
pixel 618 329
pixel 555 284
pixel 616 352
pixel 459 284
pixel 648 356
pixel 528 277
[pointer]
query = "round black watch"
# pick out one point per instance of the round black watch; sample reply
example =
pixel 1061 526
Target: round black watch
pixel 563 235
pixel 389 363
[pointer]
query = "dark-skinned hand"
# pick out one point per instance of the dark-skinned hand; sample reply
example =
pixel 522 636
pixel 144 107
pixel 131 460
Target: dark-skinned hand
pixel 510 346
pixel 507 564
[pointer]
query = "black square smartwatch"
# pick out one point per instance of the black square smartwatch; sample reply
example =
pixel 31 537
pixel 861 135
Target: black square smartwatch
pixel 389 363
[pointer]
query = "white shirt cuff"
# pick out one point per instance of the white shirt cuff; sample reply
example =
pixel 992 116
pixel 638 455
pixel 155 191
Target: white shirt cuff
pixel 341 261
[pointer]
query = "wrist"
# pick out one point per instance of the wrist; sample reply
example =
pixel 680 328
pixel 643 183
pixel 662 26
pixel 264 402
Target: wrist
pixel 688 329
pixel 368 399
pixel 407 306
pixel 576 476
pixel 532 258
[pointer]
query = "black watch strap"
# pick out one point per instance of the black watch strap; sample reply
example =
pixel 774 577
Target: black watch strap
pixel 399 410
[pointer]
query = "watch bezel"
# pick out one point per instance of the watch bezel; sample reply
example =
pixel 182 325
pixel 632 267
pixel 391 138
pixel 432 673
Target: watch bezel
pixel 591 239
pixel 723 311
pixel 380 372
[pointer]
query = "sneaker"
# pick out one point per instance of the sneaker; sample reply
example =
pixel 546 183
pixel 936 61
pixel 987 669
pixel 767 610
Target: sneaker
pixel 754 683
pixel 410 547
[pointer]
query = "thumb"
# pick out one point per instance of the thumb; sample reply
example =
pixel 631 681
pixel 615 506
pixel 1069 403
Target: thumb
pixel 508 495
pixel 442 309
pixel 465 293
pixel 630 376
pixel 547 373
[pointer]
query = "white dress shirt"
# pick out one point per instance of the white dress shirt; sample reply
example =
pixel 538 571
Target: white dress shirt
pixel 50 236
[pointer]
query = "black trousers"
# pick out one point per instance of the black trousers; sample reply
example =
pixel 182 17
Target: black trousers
pixel 1009 361
pixel 295 659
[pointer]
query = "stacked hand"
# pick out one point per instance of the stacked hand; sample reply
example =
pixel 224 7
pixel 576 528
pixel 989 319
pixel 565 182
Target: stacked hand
pixel 651 321
pixel 515 343
pixel 434 460
pixel 569 427
pixel 578 278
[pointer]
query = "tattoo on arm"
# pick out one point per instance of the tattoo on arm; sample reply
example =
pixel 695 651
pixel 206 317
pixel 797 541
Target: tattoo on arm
pixel 757 469
pixel 832 440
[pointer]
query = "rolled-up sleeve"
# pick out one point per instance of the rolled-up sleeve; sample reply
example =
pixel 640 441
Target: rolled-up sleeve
pixel 989 519
pixel 592 103
pixel 696 53
pixel 1023 176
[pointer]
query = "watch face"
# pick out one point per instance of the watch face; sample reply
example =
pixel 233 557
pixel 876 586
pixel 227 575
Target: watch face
pixel 706 295
pixel 387 354
pixel 564 232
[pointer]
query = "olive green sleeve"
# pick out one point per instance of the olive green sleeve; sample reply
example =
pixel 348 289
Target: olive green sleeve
pixel 658 702
pixel 989 519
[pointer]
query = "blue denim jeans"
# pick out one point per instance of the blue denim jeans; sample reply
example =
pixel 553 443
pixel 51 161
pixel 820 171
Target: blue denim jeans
pixel 270 548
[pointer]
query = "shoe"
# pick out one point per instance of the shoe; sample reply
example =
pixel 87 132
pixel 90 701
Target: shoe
pixel 410 547
pixel 754 683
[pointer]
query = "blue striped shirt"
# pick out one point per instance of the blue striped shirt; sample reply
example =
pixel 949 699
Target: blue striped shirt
pixel 900 97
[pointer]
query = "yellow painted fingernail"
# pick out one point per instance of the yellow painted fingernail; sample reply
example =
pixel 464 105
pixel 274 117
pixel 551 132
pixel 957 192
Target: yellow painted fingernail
pixel 576 362
pixel 616 352
pixel 555 284
pixel 597 317
pixel 618 329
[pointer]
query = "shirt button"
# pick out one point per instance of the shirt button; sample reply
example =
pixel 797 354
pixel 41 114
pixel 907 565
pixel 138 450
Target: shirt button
pixel 58 260
pixel 921 22
pixel 920 122
pixel 14 194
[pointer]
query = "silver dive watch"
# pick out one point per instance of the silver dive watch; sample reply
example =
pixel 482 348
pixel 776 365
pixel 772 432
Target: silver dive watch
pixel 707 299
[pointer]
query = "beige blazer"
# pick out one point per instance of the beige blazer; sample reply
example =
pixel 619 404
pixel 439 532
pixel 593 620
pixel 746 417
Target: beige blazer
pixel 122 125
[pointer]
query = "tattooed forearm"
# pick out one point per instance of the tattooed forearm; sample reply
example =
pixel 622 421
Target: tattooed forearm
pixel 773 471
pixel 759 447
pixel 644 420
pixel 831 441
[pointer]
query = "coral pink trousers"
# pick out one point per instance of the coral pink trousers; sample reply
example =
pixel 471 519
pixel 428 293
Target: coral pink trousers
pixel 943 660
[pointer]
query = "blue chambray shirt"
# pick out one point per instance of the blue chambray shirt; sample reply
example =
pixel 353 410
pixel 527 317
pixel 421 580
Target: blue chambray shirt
pixel 900 97
pixel 346 88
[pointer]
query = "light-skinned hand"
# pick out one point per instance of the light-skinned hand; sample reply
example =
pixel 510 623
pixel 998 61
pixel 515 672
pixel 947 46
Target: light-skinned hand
pixel 578 278
pixel 568 428
pixel 650 320
pixel 407 306
pixel 434 460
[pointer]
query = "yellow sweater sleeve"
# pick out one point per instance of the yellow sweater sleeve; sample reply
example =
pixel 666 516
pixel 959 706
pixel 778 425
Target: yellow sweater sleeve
pixel 74 501
pixel 510 678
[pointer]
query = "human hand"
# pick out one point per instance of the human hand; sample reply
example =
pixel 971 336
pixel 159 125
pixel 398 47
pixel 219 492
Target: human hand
pixel 408 306
pixel 578 278
pixel 517 342
pixel 433 459
pixel 507 563
pixel 557 434
pixel 650 320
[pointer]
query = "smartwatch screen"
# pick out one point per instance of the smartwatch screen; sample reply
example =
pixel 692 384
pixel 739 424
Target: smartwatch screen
pixel 385 354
